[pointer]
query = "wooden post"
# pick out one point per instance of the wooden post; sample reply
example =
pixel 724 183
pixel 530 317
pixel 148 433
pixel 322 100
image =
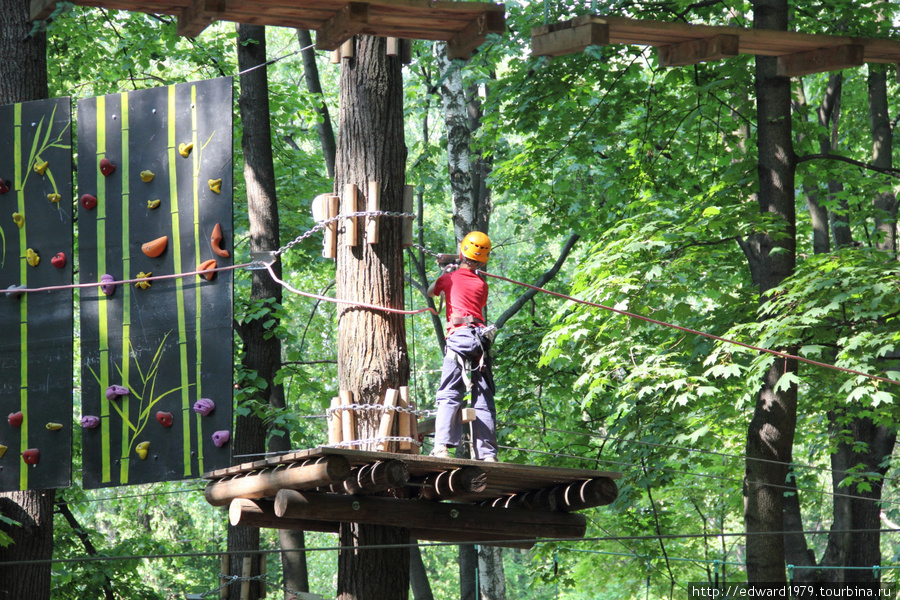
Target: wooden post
pixel 408 198
pixel 260 484
pixel 348 417
pixel 393 46
pixel 262 575
pixel 331 211
pixel 347 49
pixel 403 419
pixel 318 208
pixel 335 57
pixel 387 419
pixel 223 577
pixel 373 204
pixel 348 206
pixel 334 423
pixel 245 577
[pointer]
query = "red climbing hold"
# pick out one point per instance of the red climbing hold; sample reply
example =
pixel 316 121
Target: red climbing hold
pixel 15 419
pixel 164 418
pixel 4 186
pixel 89 202
pixel 31 456
pixel 106 167
pixel 59 261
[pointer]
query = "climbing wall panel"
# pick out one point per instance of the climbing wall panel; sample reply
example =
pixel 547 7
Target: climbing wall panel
pixel 155 199
pixel 35 328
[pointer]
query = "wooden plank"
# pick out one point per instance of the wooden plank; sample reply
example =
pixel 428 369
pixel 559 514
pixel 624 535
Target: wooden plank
pixel 347 22
pixel 335 429
pixel 403 423
pixel 348 417
pixel 569 40
pixel 387 418
pixel 699 50
pixel 267 483
pixel 348 206
pixel 820 61
pixel 198 15
pixel 329 246
pixel 468 39
pixel 373 204
pixel 415 514
pixel 41 9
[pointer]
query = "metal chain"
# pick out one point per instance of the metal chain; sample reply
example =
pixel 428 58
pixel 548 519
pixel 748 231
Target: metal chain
pixel 322 224
pixel 231 579
pixel 436 255
pixel 381 407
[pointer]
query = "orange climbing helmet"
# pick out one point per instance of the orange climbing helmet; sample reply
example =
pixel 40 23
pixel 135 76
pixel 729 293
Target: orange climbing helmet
pixel 476 246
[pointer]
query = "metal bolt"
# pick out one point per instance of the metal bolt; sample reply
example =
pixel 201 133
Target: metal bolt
pixel 454 513
pixel 355 505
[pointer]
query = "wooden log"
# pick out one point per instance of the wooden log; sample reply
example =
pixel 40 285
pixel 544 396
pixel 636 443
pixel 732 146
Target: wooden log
pixel 377 477
pixel 393 46
pixel 335 428
pixel 586 494
pixel 415 514
pixel 403 424
pixel 373 204
pixel 426 426
pixel 244 512
pixel 387 419
pixel 335 56
pixel 329 249
pixel 451 484
pixel 319 209
pixel 348 206
pixel 260 484
pixel 408 200
pixel 348 417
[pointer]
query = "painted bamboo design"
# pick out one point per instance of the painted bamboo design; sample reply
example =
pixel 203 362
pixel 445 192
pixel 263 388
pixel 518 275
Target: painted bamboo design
pixel 126 274
pixel 195 188
pixel 21 168
pixel 102 303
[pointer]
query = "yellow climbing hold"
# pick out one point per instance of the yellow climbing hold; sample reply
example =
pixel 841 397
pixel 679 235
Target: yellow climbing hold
pixel 185 149
pixel 32 258
pixel 147 176
pixel 143 284
pixel 151 204
pixel 216 185
pixel 19 218
pixel 54 426
pixel 143 449
pixel 55 198
pixel 2 450
pixel 40 166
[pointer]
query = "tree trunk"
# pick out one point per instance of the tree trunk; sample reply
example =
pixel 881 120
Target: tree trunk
pixel 490 567
pixel 771 432
pixel 314 87
pixel 372 355
pixel 23 77
pixel 418 575
pixel 262 356
pixel 882 149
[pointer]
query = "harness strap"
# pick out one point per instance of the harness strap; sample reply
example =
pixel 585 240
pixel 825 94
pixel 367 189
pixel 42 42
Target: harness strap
pixel 467 320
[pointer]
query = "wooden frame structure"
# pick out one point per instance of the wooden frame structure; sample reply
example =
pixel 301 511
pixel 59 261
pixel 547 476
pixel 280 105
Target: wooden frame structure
pixel 680 44
pixel 444 500
pixel 463 25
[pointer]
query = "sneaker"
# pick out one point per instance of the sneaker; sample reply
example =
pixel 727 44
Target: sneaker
pixel 440 452
pixel 492 459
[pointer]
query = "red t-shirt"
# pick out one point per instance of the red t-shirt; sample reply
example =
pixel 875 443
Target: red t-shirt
pixel 465 293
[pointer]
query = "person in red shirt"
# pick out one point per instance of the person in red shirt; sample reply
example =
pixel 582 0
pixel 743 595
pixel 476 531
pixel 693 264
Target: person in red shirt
pixel 467 364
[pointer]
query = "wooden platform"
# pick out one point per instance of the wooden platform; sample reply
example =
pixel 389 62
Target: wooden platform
pixel 452 500
pixel 463 25
pixel 685 44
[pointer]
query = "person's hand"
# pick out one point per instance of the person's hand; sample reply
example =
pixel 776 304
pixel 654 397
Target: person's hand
pixel 449 268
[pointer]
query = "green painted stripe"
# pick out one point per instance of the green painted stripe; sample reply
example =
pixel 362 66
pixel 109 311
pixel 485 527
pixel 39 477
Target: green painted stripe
pixel 23 300
pixel 179 282
pixel 102 316
pixel 126 274
pixel 195 155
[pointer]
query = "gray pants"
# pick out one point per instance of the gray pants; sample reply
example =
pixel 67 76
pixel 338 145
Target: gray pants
pixel 452 391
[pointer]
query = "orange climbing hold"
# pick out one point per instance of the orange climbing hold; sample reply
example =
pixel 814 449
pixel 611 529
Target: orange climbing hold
pixel 216 241
pixel 155 247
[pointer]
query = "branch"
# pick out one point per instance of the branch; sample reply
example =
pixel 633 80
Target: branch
pixel 543 279
pixel 885 170
pixel 66 512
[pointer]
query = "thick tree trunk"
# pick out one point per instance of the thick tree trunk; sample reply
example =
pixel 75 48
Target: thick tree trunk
pixel 372 355
pixel 490 567
pixel 23 77
pixel 771 432
pixel 262 353
pixel 314 87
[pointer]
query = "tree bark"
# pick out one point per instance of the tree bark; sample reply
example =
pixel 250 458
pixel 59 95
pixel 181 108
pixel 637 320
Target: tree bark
pixel 418 576
pixel 23 77
pixel 771 432
pixel 372 354
pixel 882 156
pixel 490 567
pixel 262 352
pixel 314 87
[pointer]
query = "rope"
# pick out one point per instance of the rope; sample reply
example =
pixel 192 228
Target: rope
pixel 784 355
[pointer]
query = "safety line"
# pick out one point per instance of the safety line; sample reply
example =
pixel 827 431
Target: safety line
pixel 784 355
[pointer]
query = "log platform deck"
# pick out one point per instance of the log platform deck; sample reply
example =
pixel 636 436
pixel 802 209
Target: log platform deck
pixel 463 25
pixel 680 44
pixel 446 500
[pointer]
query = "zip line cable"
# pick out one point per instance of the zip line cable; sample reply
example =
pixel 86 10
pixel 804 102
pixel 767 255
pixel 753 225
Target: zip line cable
pixel 711 336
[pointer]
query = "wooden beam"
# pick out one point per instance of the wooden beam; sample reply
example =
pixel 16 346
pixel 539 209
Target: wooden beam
pixel 41 9
pixel 451 484
pixel 586 494
pixel 415 514
pixel 699 50
pixel 243 512
pixel 571 37
pixel 347 22
pixel 376 477
pixel 820 61
pixel 309 474
pixel 198 15
pixel 468 39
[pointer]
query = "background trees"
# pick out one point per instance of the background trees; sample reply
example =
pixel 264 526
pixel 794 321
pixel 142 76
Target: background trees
pixel 654 175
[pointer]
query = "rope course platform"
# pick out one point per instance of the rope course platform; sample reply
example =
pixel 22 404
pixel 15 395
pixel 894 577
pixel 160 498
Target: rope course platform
pixel 438 499
pixel 681 44
pixel 463 25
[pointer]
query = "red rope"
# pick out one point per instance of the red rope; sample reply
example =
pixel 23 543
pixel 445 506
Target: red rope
pixel 694 331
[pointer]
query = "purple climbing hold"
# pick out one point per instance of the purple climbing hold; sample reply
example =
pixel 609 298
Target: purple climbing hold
pixel 220 438
pixel 204 406
pixel 113 392
pixel 106 285
pixel 90 421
